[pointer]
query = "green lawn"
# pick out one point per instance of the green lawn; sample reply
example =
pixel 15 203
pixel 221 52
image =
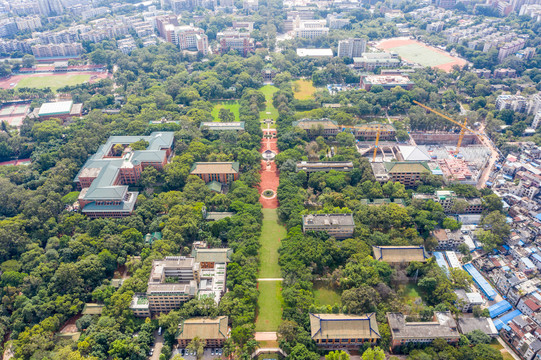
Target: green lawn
pixel 421 54
pixel 270 299
pixel 232 106
pixel 268 91
pixel 54 81
pixel 306 89
pixel 326 296
pixel 271 234
pixel 269 304
pixel 505 354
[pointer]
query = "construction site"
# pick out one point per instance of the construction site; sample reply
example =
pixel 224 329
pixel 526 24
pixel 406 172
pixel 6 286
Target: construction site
pixel 458 157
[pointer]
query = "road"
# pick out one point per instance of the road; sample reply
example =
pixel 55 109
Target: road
pixel 158 344
pixel 493 157
pixel 509 350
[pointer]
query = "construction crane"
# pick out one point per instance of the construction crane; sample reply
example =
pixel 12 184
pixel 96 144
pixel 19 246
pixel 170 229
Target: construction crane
pixel 463 127
pixel 344 127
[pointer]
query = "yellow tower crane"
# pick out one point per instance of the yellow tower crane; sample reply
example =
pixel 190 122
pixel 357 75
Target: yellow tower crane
pixel 463 127
pixel 377 137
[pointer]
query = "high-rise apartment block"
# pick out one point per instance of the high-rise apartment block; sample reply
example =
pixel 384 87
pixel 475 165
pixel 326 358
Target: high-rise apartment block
pixel 351 48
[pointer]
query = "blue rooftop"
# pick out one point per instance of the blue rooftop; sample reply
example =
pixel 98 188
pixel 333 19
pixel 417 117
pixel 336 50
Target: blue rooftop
pixel 499 308
pixel 483 284
pixel 505 319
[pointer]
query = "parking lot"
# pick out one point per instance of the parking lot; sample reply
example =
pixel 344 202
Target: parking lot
pixel 208 354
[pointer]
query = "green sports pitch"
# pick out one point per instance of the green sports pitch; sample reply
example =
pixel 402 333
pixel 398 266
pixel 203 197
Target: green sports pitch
pixel 421 54
pixel 54 82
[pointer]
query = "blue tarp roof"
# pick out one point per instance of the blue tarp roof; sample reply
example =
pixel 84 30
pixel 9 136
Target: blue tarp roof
pixel 537 257
pixel 506 247
pixel 504 320
pixel 499 308
pixel 538 216
pixel 483 284
pixel 440 260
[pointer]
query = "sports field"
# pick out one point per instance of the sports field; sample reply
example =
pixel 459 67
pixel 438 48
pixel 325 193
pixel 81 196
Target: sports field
pixel 303 89
pixel 54 82
pixel 232 106
pixel 417 52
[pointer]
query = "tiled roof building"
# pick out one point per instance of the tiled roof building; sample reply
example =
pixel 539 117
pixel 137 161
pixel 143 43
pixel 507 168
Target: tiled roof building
pixel 213 331
pixel 105 177
pixel 343 331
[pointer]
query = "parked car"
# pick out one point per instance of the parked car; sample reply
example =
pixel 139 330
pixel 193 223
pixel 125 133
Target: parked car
pixel 212 352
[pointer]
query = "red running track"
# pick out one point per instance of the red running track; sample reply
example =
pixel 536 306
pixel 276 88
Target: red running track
pixel 270 178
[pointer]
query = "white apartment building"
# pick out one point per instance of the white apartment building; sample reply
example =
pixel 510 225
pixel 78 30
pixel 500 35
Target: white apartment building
pixel 351 48
pixel 28 23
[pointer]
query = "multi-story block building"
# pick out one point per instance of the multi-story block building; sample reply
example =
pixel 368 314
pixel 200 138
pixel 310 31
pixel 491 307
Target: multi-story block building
pixel 326 166
pixel 28 23
pixel 318 127
pixel 443 327
pixel 310 29
pixel 405 172
pixel 57 50
pixel 386 81
pixel 447 239
pixel 340 226
pixel 177 279
pixel 213 331
pixel 351 48
pixel 223 172
pixel 235 40
pixel 172 282
pixel 336 21
pixel 447 199
pixel 512 102
pixel 105 177
pixel 372 61
pixel 8 27
pixel 192 38
pixel 340 331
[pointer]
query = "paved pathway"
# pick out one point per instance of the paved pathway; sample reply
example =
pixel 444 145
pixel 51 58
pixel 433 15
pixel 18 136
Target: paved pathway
pixel 270 279
pixel 269 173
pixel 266 336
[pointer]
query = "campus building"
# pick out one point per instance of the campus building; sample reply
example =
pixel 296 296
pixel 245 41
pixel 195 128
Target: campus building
pixel 223 126
pixel 443 327
pixel 369 132
pixel 447 199
pixel 60 110
pixel 213 331
pixel 405 172
pixel 326 166
pixel 351 48
pixel 177 279
pixel 399 254
pixel 191 38
pixel 386 81
pixel 372 61
pixel 105 177
pixel 339 331
pixel 222 172
pixel 173 281
pixel 318 127
pixel 235 40
pixel 340 226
